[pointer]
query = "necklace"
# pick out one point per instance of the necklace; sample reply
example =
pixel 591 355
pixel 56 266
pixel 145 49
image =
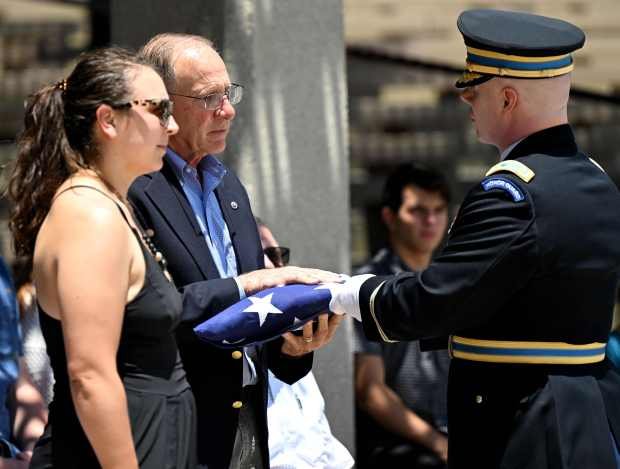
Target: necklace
pixel 147 236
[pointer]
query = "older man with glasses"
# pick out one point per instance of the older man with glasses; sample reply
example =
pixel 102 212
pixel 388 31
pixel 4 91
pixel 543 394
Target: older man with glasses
pixel 202 222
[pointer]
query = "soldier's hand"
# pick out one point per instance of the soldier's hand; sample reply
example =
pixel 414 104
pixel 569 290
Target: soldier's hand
pixel 258 280
pixel 345 296
pixel 311 339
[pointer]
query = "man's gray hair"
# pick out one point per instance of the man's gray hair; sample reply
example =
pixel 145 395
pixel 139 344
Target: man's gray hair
pixel 163 50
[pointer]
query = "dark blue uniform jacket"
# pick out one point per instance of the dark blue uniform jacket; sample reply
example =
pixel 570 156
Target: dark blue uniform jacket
pixel 525 261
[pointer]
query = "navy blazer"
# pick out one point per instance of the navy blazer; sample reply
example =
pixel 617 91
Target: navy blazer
pixel 215 375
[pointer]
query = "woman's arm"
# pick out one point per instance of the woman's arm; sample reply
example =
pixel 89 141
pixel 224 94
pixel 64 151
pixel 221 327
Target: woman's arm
pixel 94 258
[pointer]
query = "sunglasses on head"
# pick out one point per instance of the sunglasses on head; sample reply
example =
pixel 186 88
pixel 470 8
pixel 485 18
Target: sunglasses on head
pixel 278 255
pixel 162 108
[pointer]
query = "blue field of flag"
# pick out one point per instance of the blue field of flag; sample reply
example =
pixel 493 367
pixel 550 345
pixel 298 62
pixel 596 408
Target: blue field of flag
pixel 265 315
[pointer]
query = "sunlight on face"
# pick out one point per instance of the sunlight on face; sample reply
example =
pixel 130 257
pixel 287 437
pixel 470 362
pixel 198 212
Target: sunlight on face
pixel 200 71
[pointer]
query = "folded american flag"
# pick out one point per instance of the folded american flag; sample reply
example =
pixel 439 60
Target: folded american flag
pixel 265 315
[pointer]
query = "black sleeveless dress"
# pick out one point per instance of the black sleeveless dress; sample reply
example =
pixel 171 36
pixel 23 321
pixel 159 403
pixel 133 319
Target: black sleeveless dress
pixel 160 402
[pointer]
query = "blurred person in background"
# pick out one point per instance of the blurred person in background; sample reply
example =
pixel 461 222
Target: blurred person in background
pixel 36 360
pixel 299 433
pixel 22 410
pixel 107 307
pixel 401 391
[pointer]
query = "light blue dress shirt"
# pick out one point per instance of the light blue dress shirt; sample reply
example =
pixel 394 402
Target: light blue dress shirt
pixel 210 218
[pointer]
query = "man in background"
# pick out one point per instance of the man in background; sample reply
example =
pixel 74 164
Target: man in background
pixel 401 391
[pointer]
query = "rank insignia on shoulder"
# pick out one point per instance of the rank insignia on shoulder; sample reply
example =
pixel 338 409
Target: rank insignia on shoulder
pixel 515 167
pixel 504 185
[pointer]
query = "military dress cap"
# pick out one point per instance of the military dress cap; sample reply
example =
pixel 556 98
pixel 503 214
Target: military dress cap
pixel 516 45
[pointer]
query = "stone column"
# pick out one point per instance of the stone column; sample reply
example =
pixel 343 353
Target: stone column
pixel 289 140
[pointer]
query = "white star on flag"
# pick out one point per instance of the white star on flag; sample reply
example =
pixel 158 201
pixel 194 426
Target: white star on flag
pixel 262 307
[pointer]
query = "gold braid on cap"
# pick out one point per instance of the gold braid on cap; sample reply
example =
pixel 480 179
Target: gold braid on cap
pixel 61 85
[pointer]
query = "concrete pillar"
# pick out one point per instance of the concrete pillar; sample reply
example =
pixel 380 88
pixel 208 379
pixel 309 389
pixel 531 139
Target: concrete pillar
pixel 289 140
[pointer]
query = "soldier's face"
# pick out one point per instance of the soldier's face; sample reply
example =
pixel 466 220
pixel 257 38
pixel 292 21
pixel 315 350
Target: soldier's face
pixel 486 110
pixel 421 220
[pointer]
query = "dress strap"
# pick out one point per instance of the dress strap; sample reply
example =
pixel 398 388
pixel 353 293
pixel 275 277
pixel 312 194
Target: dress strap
pixel 144 240
pixel 120 208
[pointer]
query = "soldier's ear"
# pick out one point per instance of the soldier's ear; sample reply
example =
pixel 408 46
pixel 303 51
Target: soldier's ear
pixel 510 98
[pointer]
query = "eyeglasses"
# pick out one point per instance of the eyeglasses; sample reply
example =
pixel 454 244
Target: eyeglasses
pixel 278 255
pixel 162 108
pixel 212 101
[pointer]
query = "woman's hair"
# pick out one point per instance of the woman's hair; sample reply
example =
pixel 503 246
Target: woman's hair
pixel 58 137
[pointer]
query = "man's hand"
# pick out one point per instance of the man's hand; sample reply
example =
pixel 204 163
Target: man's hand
pixel 258 280
pixel 310 340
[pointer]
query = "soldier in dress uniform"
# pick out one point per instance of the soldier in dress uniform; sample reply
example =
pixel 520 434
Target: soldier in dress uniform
pixel 525 286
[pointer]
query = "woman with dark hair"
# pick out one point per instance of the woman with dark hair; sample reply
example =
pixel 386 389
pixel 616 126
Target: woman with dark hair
pixel 107 308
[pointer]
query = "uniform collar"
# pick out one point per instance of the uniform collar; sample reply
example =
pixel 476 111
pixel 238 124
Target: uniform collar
pixel 554 141
pixel 507 151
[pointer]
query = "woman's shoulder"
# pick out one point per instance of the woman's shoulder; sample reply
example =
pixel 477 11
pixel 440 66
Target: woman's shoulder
pixel 81 202
pixel 83 219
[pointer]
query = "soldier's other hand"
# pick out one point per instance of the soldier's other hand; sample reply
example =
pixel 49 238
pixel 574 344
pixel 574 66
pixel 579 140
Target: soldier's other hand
pixel 311 339
pixel 258 280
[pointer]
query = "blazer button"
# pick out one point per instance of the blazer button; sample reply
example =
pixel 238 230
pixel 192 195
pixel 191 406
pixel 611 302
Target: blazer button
pixel 237 405
pixel 234 205
pixel 237 355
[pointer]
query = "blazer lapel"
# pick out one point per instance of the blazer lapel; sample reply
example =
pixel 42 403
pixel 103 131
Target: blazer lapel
pixel 167 195
pixel 232 215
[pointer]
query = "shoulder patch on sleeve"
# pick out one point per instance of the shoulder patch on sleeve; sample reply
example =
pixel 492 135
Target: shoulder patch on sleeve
pixel 504 185
pixel 515 167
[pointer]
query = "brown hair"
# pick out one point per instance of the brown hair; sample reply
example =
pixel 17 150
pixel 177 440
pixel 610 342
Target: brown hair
pixel 58 139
